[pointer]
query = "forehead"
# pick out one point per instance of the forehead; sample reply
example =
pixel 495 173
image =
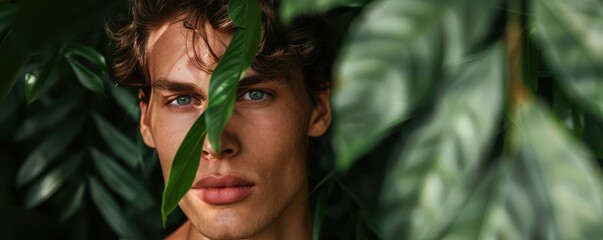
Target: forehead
pixel 173 48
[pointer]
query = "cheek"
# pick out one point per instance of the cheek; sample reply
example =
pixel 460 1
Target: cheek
pixel 168 132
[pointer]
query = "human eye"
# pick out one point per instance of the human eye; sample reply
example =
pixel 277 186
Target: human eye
pixel 184 101
pixel 254 96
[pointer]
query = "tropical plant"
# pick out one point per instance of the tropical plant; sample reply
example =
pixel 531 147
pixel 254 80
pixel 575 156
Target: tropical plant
pixel 463 119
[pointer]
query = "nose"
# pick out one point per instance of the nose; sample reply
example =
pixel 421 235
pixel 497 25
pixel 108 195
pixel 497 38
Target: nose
pixel 228 145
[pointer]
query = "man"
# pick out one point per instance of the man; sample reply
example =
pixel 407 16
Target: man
pixel 256 186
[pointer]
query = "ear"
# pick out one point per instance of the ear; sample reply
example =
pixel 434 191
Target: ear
pixel 145 131
pixel 320 118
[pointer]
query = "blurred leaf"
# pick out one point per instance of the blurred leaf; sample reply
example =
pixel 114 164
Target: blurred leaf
pixel 232 66
pixel 433 176
pixel 566 183
pixel 126 100
pixel 499 208
pixel 51 115
pixel 51 182
pixel 293 8
pixel 6 11
pixel 121 181
pixel 89 79
pixel 121 145
pixel 184 168
pixel 89 54
pixel 572 118
pixel 570 34
pixel 12 61
pixel 593 136
pixel 113 214
pixel 36 83
pixel 393 60
pixel 49 149
pixel 75 203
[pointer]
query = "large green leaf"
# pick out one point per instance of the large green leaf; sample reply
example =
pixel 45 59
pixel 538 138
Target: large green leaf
pixel 119 143
pixel 110 210
pixel 394 58
pixel 48 150
pixel 293 8
pixel 433 176
pixel 232 66
pixel 51 182
pixel 184 168
pixel 500 208
pixel 89 54
pixel 86 76
pixel 120 180
pixel 566 183
pixel 570 34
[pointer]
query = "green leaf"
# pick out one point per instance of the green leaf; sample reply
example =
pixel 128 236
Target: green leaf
pixel 89 54
pixel 434 174
pixel 127 101
pixel 51 115
pixel 48 150
pixel 184 167
pixel 293 8
pixel 499 208
pixel 75 203
pixel 110 210
pixel 395 56
pixel 12 61
pixel 87 77
pixel 234 63
pixel 36 83
pixel 121 145
pixel 121 181
pixel 570 34
pixel 566 183
pixel 51 182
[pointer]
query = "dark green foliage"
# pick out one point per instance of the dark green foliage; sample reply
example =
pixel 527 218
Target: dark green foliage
pixel 463 119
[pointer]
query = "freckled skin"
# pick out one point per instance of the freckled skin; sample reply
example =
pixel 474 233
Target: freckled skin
pixel 264 142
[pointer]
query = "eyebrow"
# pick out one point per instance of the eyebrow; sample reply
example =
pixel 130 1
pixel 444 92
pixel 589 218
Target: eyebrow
pixel 251 80
pixel 174 86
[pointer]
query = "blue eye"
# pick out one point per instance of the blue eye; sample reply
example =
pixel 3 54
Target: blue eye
pixel 256 95
pixel 184 100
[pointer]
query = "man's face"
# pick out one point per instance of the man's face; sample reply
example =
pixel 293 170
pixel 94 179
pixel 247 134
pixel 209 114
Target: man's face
pixel 258 179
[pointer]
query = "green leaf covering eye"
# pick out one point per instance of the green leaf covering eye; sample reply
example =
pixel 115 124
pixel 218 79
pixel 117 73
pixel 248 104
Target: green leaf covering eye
pixel 222 90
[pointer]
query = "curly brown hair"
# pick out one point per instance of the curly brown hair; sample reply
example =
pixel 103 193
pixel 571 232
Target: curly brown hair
pixel 305 44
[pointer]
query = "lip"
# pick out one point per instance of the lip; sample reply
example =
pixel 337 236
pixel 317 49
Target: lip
pixel 221 190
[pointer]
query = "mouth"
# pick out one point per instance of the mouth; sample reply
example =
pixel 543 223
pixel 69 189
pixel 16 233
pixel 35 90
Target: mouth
pixel 221 190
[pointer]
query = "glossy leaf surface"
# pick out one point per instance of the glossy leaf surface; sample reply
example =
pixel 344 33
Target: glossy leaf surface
pixel 51 182
pixel 184 167
pixel 570 33
pixel 232 66
pixel 433 176
pixel 567 184
pixel 86 76
pixel 397 53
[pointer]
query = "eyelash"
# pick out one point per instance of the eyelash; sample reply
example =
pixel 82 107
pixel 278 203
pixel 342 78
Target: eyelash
pixel 267 96
pixel 195 101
